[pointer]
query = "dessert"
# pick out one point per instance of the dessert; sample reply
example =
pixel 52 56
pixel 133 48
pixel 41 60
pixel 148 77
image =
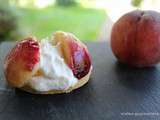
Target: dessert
pixel 59 65
pixel 135 38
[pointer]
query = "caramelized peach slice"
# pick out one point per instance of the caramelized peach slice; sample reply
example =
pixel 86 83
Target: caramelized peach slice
pixel 74 52
pixel 21 62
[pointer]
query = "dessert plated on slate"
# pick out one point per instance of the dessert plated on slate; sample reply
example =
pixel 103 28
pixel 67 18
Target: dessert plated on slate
pixel 59 65
pixel 135 38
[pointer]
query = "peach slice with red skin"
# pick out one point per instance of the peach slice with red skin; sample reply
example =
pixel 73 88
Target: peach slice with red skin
pixel 74 53
pixel 20 63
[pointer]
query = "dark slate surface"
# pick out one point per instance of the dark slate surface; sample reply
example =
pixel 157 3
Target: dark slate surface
pixel 113 89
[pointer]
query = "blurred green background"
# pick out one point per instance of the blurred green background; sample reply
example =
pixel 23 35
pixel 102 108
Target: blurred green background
pixel 40 18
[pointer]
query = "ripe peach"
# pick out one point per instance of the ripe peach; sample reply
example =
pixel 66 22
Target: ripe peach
pixel 135 38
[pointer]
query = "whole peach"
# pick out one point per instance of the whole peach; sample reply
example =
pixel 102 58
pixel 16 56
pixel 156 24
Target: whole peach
pixel 135 38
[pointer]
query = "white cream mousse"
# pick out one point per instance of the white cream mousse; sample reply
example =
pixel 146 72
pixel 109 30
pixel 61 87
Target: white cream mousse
pixel 57 75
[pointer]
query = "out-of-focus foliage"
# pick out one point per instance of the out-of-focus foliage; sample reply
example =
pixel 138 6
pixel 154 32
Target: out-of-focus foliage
pixel 66 2
pixel 84 23
pixel 36 20
pixel 136 3
pixel 8 23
